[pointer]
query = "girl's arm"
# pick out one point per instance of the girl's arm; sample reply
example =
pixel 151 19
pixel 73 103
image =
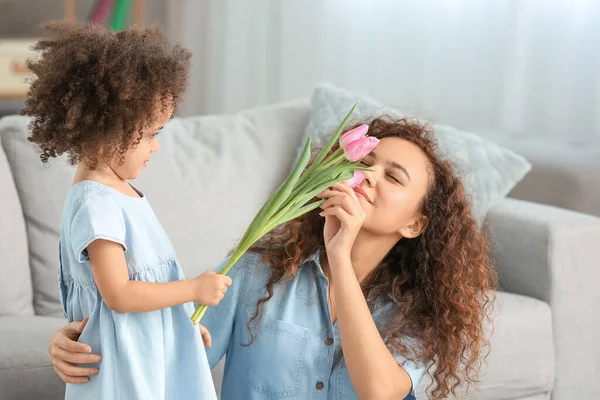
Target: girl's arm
pixel 121 294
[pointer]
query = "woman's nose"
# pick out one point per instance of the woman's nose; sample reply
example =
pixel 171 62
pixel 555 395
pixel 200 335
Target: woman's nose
pixel 371 176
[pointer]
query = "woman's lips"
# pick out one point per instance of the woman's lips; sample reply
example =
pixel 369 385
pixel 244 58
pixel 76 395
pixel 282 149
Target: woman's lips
pixel 361 193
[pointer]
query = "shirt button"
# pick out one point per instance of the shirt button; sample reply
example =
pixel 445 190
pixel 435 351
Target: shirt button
pixel 329 341
pixel 320 385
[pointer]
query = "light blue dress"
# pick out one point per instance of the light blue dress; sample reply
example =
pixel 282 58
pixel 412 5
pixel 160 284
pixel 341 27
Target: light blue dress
pixel 151 355
pixel 297 353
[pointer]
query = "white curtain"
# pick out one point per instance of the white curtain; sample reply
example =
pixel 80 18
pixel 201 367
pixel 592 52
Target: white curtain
pixel 525 68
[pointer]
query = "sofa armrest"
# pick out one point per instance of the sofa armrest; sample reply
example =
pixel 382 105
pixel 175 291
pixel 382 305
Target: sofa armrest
pixel 554 255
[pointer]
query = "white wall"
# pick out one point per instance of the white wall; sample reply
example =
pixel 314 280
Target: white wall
pixel 524 67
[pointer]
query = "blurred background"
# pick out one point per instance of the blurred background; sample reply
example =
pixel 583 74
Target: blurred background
pixel 520 67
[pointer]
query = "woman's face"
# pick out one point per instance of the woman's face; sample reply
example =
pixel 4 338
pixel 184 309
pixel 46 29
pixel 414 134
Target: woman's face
pixel 392 194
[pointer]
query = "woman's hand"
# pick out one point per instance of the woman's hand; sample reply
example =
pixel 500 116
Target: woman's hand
pixel 206 338
pixel 65 351
pixel 344 217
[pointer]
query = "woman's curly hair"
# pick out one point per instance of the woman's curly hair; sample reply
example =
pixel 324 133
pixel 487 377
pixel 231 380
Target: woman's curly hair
pixel 94 90
pixel 442 281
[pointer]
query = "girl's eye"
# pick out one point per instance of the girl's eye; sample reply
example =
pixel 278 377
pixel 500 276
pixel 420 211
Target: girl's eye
pixel 363 162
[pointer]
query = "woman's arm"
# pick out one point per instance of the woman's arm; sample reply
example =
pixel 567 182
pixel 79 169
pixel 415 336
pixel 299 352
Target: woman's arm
pixel 120 294
pixel 374 371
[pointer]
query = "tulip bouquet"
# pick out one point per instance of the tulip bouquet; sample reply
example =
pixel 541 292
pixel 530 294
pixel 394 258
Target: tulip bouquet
pixel 296 195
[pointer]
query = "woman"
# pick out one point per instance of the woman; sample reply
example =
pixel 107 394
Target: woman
pixel 359 299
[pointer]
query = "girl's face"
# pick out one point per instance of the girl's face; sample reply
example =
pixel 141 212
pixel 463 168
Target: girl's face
pixel 392 195
pixel 138 156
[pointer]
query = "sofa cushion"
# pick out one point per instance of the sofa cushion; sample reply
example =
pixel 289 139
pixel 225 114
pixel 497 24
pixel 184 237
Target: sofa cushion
pixel 521 362
pixel 42 191
pixel 16 296
pixel 206 183
pixel 25 368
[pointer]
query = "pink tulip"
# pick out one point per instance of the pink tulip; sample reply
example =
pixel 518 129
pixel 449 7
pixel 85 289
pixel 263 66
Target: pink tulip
pixel 357 149
pixel 355 180
pixel 352 135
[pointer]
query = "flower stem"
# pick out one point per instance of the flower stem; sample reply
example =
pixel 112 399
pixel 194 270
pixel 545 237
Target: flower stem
pixel 334 161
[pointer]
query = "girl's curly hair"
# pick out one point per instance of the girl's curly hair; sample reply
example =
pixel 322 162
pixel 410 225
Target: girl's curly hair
pixel 442 281
pixel 94 90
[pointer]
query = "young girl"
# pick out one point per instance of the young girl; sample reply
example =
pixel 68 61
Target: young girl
pixel 102 97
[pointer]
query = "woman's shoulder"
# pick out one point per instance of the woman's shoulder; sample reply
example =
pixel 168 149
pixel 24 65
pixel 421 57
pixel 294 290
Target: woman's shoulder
pixel 251 264
pixel 253 267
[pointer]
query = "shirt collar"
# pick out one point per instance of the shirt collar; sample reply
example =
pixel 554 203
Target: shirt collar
pixel 314 260
pixel 314 257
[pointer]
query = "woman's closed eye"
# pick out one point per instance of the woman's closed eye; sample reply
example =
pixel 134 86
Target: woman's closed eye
pixel 391 176
pixel 395 179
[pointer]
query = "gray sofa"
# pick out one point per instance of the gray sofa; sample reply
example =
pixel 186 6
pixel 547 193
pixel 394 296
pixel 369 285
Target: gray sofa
pixel 206 183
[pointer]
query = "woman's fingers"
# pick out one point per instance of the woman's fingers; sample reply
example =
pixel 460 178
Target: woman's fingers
pixel 82 324
pixel 206 338
pixel 341 201
pixel 75 358
pixel 68 344
pixel 66 338
pixel 72 346
pixel 70 379
pixel 72 370
pixel 327 193
pixel 338 212
pixel 336 190
pixel 346 189
pixel 64 350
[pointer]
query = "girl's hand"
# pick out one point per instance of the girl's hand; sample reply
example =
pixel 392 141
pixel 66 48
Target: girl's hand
pixel 344 217
pixel 210 288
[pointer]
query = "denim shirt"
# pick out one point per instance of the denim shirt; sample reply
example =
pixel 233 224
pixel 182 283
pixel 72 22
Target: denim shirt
pixel 297 352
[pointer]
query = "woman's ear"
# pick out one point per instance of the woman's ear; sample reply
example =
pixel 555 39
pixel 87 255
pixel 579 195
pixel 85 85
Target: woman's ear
pixel 415 228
